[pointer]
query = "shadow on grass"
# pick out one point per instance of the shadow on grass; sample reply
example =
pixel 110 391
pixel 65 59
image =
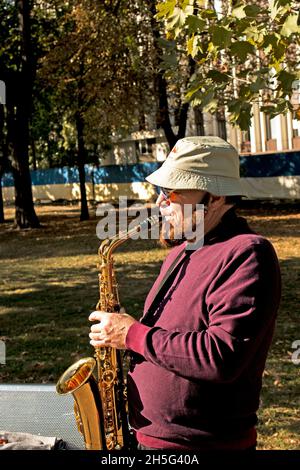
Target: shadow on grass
pixel 64 235
pixel 56 243
pixel 52 320
pixel 281 383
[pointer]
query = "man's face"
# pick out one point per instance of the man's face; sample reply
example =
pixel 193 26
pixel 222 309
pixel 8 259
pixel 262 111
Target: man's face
pixel 178 210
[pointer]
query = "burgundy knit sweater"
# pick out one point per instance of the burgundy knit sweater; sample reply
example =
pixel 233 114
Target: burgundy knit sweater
pixel 196 373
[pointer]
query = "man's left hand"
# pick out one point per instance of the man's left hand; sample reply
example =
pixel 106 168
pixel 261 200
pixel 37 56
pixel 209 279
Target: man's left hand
pixel 112 329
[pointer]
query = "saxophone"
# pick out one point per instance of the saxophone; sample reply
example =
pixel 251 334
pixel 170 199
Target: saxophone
pixel 100 405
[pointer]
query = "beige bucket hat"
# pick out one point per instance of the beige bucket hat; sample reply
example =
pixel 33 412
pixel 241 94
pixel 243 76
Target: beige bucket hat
pixel 206 162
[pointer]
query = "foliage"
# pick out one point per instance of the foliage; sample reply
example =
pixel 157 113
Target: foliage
pixel 245 53
pixel 90 57
pixel 96 68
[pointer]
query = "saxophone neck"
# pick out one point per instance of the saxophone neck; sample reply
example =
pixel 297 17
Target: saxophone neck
pixel 108 245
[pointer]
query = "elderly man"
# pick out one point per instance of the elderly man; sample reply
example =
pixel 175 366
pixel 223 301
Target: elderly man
pixel 200 349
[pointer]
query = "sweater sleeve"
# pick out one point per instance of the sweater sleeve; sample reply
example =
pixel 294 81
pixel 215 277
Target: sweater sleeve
pixel 242 302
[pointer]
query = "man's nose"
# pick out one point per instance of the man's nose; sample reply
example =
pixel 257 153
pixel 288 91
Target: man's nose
pixel 159 200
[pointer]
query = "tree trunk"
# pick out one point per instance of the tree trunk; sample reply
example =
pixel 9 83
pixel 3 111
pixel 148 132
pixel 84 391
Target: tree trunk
pixel 161 89
pixel 84 214
pixel 25 215
pixel 32 142
pixel 199 120
pixel 163 113
pixel 183 115
pixel 1 203
pixel 160 84
pixel 2 157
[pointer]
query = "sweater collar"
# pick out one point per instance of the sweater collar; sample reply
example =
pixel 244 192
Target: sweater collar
pixel 229 225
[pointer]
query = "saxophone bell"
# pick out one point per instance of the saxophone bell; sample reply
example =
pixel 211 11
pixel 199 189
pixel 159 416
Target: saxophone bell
pixel 78 379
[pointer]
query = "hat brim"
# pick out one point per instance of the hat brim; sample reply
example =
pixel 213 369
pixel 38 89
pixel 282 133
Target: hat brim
pixel 175 178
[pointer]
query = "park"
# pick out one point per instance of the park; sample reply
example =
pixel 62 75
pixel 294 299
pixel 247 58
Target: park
pixel 86 115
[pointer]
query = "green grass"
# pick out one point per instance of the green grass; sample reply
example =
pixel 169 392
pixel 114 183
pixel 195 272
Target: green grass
pixel 49 286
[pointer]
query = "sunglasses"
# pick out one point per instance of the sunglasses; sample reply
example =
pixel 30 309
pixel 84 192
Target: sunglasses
pixel 166 193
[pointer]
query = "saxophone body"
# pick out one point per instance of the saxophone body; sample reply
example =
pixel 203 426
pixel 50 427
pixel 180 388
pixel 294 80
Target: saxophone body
pixel 97 383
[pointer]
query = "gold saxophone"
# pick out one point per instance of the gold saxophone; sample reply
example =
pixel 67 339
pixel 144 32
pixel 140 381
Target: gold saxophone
pixel 101 405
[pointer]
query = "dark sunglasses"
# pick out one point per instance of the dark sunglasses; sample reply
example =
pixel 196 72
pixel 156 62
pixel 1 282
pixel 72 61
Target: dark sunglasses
pixel 164 191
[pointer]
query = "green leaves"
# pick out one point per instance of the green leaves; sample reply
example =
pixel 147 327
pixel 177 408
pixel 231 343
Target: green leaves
pixel 258 85
pixel 218 77
pixel 238 54
pixel 177 20
pixel 165 9
pixel 239 12
pixel 290 25
pixel 279 107
pixel 241 49
pixel 220 36
pixel 252 10
pixel 195 24
pixel 240 113
pixel 174 15
pixel 192 46
pixel 286 80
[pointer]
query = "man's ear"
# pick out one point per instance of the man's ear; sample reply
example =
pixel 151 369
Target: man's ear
pixel 215 202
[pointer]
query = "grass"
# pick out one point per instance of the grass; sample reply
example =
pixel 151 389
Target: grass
pixel 49 287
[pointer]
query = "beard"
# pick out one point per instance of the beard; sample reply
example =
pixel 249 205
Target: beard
pixel 168 236
pixel 168 239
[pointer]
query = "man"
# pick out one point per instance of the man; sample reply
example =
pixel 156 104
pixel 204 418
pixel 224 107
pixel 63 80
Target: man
pixel 200 349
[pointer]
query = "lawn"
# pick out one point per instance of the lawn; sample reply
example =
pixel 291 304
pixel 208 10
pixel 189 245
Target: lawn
pixel 49 286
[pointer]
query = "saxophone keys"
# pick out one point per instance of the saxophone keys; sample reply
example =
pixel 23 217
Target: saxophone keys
pixel 108 377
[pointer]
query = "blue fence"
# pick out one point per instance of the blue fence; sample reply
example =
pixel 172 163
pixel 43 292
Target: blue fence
pixel 278 168
pixel 97 175
pixel 255 166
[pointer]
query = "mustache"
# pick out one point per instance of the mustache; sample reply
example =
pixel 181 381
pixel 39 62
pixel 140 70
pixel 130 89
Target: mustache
pixel 167 235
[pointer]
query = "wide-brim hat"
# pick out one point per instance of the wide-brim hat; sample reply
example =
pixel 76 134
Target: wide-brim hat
pixel 206 163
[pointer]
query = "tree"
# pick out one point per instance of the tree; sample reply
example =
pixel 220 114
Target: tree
pixel 168 87
pixel 95 67
pixel 243 53
pixel 17 70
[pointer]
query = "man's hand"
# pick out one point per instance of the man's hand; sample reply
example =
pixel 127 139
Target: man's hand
pixel 112 329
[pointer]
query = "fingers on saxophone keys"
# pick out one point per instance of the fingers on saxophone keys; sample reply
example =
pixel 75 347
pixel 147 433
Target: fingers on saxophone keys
pixel 98 315
pixel 99 344
pixel 97 336
pixel 98 340
pixel 96 328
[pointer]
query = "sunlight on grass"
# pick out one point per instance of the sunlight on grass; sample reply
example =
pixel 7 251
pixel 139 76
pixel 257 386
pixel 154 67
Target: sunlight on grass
pixel 49 285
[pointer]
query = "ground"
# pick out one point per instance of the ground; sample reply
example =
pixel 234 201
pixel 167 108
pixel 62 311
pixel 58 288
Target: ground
pixel 49 287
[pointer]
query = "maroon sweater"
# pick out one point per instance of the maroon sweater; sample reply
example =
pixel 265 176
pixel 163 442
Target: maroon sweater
pixel 197 370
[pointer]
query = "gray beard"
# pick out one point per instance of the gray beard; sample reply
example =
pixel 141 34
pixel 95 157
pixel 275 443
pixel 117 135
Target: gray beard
pixel 168 239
